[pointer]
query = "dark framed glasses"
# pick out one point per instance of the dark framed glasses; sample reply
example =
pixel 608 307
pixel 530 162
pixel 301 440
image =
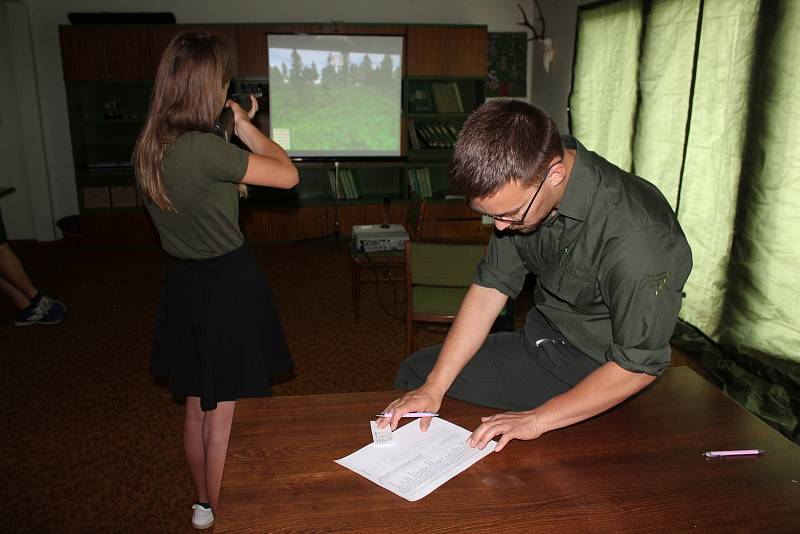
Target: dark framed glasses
pixel 521 219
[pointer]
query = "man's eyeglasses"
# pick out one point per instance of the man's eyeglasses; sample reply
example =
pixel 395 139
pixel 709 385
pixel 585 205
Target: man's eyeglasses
pixel 519 220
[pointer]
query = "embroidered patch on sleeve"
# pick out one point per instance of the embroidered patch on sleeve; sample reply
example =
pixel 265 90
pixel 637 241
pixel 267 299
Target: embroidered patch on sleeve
pixel 658 282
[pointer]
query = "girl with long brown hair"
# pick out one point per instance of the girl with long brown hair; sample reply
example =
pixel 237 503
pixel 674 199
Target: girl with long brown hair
pixel 218 337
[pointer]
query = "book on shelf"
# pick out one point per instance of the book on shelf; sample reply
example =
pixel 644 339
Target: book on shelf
pixel 419 100
pixel 350 185
pixel 96 197
pixel 425 183
pixel 413 138
pixel 336 185
pixel 123 197
pixel 419 179
pixel 447 97
pixel 434 134
pixel 423 131
pixel 413 181
pixel 345 187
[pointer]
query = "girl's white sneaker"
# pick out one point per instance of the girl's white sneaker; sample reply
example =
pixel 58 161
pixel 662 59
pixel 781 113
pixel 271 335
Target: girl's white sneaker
pixel 202 517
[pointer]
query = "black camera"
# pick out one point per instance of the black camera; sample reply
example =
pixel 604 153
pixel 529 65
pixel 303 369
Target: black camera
pixel 223 127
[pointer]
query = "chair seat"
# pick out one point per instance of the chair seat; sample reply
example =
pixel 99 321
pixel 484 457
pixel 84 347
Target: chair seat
pixel 434 300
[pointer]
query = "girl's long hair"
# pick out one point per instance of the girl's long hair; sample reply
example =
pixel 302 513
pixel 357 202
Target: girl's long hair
pixel 186 97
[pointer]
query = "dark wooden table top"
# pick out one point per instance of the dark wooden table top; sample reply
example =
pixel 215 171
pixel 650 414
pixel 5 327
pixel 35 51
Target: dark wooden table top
pixel 637 467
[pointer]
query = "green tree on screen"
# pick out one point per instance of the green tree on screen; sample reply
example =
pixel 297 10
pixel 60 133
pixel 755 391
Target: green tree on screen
pixel 344 70
pixel 310 74
pixel 328 73
pixel 296 74
pixel 275 75
pixel 386 69
pixel 365 71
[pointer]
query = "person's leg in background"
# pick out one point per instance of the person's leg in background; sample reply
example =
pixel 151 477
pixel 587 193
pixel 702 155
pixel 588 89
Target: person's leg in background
pixel 32 306
pixel 14 280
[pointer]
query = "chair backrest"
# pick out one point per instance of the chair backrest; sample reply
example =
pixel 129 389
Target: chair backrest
pixel 443 264
pixel 416 207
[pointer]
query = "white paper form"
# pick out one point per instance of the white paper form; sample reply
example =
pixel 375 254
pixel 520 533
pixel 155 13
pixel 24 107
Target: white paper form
pixel 415 463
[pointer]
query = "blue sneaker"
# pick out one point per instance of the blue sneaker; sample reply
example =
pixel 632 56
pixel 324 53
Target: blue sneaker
pixel 43 310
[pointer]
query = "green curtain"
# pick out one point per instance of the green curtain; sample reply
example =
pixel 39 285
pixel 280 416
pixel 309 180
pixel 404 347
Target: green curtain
pixel 716 126
pixel 607 60
pixel 665 76
pixel 714 154
pixel 761 313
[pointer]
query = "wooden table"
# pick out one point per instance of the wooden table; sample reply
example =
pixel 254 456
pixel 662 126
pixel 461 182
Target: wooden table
pixel 638 467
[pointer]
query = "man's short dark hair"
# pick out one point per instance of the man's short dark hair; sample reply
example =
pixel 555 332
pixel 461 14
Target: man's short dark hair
pixel 503 141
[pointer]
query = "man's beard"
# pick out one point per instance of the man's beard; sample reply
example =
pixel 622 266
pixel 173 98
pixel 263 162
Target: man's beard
pixel 528 229
pixel 524 229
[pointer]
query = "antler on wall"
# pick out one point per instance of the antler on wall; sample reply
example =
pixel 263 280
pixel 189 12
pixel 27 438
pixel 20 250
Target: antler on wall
pixel 537 35
pixel 549 52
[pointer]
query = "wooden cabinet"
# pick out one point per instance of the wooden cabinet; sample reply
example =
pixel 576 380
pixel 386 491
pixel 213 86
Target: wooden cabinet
pixel 446 51
pixel 160 36
pixel 105 53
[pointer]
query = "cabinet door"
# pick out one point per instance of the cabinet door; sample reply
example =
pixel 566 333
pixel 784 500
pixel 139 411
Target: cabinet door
pixel 446 51
pixel 160 36
pixel 227 34
pixel 83 53
pixel 128 53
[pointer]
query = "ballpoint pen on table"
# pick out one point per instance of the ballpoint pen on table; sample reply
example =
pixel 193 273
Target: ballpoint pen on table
pixel 741 452
pixel 410 414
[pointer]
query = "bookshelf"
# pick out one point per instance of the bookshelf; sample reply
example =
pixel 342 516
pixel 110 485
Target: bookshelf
pixel 107 68
pixel 105 118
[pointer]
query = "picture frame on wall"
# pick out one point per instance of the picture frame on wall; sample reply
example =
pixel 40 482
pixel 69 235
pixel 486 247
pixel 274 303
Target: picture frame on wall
pixel 508 65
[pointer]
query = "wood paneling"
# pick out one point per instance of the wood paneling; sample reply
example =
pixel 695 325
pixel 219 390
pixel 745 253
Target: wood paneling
pixel 289 224
pixel 128 53
pixel 99 53
pixel 251 43
pixel 83 53
pixel 446 51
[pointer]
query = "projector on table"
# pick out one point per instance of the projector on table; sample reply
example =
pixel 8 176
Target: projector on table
pixel 377 238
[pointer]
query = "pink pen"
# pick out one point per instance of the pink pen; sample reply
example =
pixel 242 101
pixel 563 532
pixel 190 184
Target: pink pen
pixel 410 414
pixel 725 454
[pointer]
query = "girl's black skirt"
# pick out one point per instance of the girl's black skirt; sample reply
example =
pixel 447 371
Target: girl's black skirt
pixel 218 336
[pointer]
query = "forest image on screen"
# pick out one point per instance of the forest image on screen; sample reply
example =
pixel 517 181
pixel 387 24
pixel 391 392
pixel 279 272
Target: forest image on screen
pixel 335 95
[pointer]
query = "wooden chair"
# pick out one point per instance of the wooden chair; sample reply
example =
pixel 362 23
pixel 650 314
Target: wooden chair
pixel 438 276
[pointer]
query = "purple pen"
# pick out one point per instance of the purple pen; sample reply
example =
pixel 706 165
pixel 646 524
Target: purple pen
pixel 725 454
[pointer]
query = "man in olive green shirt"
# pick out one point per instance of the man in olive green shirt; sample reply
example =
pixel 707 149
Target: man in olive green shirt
pixel 610 262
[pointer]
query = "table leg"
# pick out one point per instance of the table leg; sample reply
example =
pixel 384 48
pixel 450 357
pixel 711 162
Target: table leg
pixel 356 281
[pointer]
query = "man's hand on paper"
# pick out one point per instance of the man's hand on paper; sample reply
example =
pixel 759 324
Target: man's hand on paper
pixel 511 425
pixel 417 400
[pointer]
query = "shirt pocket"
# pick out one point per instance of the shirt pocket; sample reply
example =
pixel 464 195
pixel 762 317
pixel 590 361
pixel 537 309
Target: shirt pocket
pixel 558 280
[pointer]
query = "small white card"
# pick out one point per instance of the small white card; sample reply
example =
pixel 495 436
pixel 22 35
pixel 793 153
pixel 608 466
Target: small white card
pixel 380 436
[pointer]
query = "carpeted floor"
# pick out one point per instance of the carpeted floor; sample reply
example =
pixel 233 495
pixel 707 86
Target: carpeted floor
pixel 91 444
